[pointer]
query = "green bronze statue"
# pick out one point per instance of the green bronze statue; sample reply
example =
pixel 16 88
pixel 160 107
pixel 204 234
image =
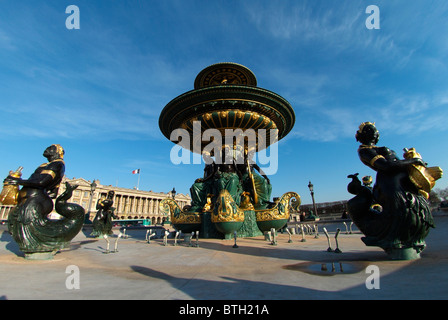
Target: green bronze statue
pixel 37 236
pixel 394 214
pixel 102 223
pixel 257 184
pixel 228 176
pixel 237 176
pixel 203 187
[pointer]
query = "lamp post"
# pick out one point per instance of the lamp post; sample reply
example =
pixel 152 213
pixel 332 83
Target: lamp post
pixel 173 193
pixel 92 190
pixel 311 187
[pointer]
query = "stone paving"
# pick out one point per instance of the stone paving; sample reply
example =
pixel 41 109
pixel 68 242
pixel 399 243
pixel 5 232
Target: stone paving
pixel 215 270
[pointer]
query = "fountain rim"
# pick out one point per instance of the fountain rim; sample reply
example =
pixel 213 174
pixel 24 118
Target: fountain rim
pixel 170 107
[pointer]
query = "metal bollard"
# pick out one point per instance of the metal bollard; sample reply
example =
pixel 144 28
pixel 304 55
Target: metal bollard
pixel 274 237
pixel 150 236
pixel 328 240
pixel 108 243
pixel 197 239
pixel 337 250
pixel 303 234
pixel 165 238
pixel 175 238
pixel 189 242
pixel 289 233
pixel 116 242
pixel 235 236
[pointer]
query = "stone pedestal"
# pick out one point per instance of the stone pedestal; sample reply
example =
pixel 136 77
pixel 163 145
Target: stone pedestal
pixel 40 255
pixel 403 254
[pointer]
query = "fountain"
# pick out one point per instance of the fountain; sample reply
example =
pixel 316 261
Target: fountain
pixel 227 119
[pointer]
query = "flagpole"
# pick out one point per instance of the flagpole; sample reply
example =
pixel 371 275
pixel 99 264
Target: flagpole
pixel 138 181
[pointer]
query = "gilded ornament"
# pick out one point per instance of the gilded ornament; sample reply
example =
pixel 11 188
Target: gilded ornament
pixel 170 208
pixel 423 178
pixel 227 210
pixel 280 210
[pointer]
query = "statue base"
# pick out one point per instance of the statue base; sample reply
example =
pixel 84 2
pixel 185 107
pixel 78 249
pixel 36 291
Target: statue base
pixel 249 227
pixel 403 254
pixel 40 255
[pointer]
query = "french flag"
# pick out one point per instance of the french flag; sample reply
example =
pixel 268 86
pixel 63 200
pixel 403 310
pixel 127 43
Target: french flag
pixel 136 171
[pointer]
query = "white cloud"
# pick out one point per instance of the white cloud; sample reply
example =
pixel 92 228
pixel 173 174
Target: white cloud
pixel 367 75
pixel 338 27
pixel 414 114
pixel 398 114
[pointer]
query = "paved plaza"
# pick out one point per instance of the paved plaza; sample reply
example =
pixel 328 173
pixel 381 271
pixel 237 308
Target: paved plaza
pixel 215 270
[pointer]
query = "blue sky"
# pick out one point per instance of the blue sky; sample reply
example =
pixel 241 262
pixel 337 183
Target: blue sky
pixel 98 91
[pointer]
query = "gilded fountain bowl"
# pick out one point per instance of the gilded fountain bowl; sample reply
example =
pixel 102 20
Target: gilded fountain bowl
pixel 226 97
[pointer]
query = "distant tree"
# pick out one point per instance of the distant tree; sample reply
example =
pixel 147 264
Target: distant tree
pixel 434 198
pixel 442 194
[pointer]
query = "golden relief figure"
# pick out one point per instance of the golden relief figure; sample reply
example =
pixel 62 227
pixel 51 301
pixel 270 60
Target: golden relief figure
pixel 227 209
pixel 170 208
pixel 281 208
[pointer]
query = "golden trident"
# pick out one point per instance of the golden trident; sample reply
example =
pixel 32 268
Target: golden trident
pixel 251 177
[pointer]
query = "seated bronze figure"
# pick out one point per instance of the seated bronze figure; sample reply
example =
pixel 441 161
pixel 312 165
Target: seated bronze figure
pixel 395 214
pixel 102 223
pixel 28 222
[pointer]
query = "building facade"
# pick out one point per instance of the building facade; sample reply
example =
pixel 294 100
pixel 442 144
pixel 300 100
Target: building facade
pixel 129 204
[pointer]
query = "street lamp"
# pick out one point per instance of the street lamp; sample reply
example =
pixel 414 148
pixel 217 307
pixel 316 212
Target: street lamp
pixel 92 190
pixel 311 187
pixel 173 193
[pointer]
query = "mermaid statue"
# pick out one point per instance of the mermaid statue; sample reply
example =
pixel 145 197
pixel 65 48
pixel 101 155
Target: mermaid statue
pixel 102 223
pixel 395 214
pixel 38 236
